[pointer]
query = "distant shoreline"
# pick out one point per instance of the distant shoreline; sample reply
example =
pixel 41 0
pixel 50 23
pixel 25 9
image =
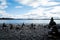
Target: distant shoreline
pixel 24 19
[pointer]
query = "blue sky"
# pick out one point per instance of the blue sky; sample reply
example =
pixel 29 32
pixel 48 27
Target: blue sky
pixel 21 10
pixel 30 8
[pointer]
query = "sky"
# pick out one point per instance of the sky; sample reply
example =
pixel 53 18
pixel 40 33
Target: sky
pixel 30 8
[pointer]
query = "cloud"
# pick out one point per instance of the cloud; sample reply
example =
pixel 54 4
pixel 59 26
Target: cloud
pixel 18 7
pixel 55 12
pixel 35 13
pixel 55 9
pixel 36 3
pixel 3 4
pixel 4 14
pixel 33 3
pixel 42 8
pixel 41 13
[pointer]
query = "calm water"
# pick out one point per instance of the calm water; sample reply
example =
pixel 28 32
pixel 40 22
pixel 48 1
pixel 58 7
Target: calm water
pixel 27 21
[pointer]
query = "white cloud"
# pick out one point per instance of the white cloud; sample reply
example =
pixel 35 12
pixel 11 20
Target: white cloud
pixel 36 3
pixel 3 13
pixel 3 4
pixel 35 13
pixel 18 7
pixel 39 11
pixel 55 12
pixel 33 3
pixel 55 9
pixel 44 12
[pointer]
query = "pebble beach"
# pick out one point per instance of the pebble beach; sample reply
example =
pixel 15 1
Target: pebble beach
pixel 23 32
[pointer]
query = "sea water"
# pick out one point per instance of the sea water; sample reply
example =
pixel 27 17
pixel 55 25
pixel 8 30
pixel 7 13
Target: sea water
pixel 28 21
